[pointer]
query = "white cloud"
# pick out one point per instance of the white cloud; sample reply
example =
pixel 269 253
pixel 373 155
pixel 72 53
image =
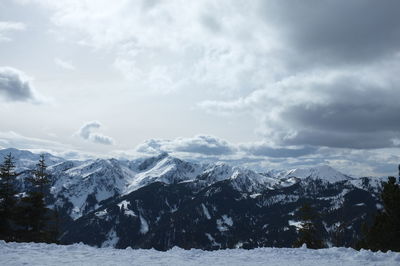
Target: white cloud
pixel 64 64
pixel 11 139
pixel 168 46
pixel 200 144
pixel 9 26
pixel 14 140
pixel 86 132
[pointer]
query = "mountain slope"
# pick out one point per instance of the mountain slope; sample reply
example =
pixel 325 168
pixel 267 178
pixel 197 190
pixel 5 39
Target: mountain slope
pixel 160 202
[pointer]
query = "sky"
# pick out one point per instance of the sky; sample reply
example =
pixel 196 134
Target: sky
pixel 266 84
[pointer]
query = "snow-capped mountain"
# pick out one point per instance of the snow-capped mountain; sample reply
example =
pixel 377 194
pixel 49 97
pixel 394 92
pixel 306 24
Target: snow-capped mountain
pixel 85 184
pixel 162 168
pixel 164 201
pixel 321 172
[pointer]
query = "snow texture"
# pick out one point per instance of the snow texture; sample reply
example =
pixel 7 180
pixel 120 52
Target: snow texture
pixel 79 254
pixel 206 213
pixel 224 223
pixel 322 172
pixel 144 226
pixel 112 239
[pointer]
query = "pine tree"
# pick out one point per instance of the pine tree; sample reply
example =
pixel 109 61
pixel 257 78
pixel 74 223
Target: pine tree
pixel 40 178
pixel 308 232
pixel 384 234
pixel 33 215
pixel 7 197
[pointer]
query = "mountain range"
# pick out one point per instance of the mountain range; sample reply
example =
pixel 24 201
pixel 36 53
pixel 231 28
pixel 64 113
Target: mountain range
pixel 162 201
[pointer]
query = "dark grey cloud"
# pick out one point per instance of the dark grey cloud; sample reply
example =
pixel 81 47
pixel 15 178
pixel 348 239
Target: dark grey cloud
pixel 339 86
pixel 339 31
pixel 338 139
pixel 211 146
pixel 345 110
pixel 353 115
pixel 86 132
pixel 14 86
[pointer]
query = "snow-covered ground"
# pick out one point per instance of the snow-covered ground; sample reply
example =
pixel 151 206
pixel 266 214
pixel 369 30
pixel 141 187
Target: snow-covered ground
pixel 78 254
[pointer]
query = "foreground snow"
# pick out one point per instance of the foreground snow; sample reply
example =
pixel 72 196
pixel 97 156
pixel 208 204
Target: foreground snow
pixel 79 254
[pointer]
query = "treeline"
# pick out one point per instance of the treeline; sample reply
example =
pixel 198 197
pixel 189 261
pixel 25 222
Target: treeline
pixel 383 234
pixel 24 217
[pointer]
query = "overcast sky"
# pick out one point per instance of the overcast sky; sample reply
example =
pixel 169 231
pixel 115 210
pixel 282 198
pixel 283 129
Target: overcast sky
pixel 265 84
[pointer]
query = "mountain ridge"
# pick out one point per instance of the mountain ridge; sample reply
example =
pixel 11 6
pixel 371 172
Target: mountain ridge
pixel 163 201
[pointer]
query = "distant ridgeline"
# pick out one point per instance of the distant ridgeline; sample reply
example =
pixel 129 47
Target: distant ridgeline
pixel 162 202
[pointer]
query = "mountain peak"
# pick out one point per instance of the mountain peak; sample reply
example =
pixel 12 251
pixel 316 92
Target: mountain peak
pixel 322 172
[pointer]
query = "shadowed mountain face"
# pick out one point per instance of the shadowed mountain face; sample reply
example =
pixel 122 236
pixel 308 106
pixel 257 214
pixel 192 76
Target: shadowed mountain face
pixel 161 202
pixel 219 216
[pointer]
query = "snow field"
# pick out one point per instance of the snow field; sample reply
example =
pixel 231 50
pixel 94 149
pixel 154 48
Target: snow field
pixel 79 254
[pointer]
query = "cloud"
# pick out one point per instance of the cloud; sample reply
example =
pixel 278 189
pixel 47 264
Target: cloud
pixel 86 132
pixel 213 146
pixel 205 145
pixel 101 139
pixel 336 32
pixel 11 139
pixel 9 26
pixel 230 47
pixel 64 64
pixel 262 156
pixel 321 75
pixel 16 86
pixel 259 156
pixel 265 150
pixel 199 44
pixel 326 108
pixel 201 148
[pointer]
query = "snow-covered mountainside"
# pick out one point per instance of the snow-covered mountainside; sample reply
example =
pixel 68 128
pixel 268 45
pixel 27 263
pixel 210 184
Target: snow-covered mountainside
pixel 162 201
pixel 322 172
pixel 84 185
pixel 78 254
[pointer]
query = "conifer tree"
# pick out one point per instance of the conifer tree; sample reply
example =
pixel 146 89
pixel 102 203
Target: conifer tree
pixel 307 232
pixel 33 214
pixel 384 234
pixel 7 197
pixel 40 178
